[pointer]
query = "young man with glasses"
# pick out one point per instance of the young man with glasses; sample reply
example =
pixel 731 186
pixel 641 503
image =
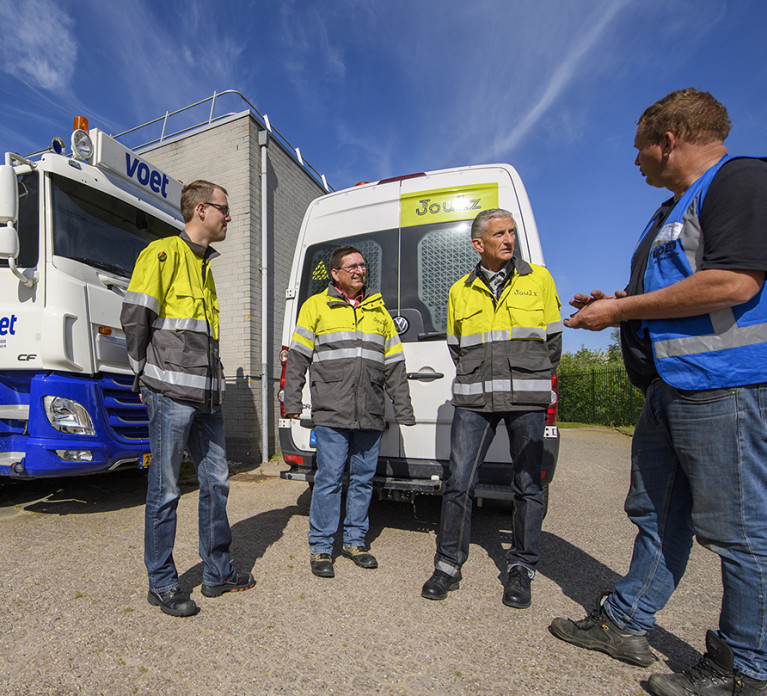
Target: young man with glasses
pixel 170 319
pixel 347 339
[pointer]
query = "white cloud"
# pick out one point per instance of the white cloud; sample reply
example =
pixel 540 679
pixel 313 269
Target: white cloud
pixel 39 45
pixel 559 79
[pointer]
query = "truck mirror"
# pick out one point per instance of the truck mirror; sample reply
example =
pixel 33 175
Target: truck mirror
pixel 9 242
pixel 9 195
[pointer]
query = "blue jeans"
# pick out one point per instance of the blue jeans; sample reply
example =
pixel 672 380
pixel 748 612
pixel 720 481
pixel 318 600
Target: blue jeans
pixel 471 434
pixel 699 467
pixel 334 447
pixel 174 427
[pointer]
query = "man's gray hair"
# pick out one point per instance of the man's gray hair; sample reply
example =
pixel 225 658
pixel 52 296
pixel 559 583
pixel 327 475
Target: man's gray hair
pixel 480 222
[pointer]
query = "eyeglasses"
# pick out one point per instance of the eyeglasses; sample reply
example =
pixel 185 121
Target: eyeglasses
pixel 223 208
pixel 362 267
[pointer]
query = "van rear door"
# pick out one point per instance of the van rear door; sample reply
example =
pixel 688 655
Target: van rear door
pixel 415 233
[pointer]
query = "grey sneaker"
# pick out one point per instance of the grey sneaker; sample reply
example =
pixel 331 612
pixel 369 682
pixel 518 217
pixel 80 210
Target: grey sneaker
pixel 598 632
pixel 714 675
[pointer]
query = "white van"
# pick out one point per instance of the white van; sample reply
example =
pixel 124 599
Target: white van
pixel 414 232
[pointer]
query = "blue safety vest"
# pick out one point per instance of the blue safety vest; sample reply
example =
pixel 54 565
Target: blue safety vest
pixel 726 348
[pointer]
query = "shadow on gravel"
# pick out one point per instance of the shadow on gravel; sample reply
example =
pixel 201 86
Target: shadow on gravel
pixel 580 576
pixel 76 494
pixel 583 578
pixel 251 538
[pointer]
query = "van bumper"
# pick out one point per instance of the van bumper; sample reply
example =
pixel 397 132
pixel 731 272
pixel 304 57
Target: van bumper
pixel 423 475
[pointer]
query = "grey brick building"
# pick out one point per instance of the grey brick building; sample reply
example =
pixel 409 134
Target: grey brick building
pixel 227 152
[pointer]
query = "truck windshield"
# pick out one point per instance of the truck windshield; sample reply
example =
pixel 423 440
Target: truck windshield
pixel 100 230
pixel 413 268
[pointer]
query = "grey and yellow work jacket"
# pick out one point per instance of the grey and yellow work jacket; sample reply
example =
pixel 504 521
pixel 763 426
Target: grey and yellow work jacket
pixel 170 319
pixel 353 354
pixel 505 349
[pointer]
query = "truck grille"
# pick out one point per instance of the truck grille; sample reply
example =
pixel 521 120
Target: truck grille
pixel 126 415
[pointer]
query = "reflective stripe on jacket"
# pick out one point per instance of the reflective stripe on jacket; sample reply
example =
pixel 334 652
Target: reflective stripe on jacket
pixel 507 349
pixel 353 354
pixel 170 319
pixel 726 348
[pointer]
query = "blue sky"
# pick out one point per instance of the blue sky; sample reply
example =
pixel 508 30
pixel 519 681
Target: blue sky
pixel 372 89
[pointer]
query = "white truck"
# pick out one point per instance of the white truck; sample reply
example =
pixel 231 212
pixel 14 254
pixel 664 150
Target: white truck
pixel 71 228
pixel 414 232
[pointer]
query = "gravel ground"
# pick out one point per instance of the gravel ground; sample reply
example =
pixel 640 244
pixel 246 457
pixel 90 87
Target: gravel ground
pixel 74 617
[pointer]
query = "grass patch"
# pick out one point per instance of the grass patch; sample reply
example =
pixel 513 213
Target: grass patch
pixel 570 425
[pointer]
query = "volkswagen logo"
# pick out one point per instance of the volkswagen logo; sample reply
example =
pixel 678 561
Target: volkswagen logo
pixel 401 324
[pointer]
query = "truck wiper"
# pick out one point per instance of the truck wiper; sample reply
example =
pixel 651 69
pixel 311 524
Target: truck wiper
pixel 432 336
pixel 110 267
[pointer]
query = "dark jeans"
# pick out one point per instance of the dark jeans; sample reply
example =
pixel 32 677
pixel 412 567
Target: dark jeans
pixel 174 427
pixel 471 434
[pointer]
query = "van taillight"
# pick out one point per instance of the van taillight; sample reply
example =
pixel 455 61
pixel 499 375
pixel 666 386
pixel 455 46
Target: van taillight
pixel 281 395
pixel 553 413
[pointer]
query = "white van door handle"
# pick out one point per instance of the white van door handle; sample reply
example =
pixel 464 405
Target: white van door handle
pixel 425 375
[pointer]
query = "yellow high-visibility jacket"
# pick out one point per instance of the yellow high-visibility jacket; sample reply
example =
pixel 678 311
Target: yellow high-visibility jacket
pixel 506 349
pixel 170 319
pixel 353 354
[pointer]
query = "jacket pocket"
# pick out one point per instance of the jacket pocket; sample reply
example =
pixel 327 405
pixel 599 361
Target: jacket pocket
pixel 527 312
pixel 469 387
pixel 531 379
pixel 374 392
pixel 326 383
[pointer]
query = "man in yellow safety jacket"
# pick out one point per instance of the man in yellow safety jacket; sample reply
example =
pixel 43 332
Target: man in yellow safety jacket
pixel 504 333
pixel 347 340
pixel 170 319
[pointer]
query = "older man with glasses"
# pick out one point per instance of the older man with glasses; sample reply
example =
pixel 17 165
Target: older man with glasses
pixel 346 338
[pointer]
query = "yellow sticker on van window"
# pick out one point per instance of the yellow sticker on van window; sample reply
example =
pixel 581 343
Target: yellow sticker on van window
pixel 320 271
pixel 447 204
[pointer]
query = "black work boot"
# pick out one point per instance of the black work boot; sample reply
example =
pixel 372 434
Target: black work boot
pixel 517 593
pixel 714 675
pixel 439 584
pixel 598 632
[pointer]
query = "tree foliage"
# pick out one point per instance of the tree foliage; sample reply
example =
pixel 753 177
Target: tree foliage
pixel 594 387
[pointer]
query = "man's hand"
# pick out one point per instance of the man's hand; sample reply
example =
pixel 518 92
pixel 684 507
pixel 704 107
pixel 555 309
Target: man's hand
pixel 595 316
pixel 294 416
pixel 580 300
pixel 595 312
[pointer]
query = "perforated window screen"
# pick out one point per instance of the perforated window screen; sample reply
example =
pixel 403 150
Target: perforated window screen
pixel 319 264
pixel 444 256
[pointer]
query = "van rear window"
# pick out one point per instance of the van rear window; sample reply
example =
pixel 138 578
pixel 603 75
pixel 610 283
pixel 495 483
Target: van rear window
pixel 412 268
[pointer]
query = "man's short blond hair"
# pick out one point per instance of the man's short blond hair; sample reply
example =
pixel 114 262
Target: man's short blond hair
pixel 197 192
pixel 691 115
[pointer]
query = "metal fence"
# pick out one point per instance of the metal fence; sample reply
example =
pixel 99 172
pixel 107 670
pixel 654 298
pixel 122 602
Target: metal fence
pixel 601 395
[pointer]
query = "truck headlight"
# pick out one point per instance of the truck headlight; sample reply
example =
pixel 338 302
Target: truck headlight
pixel 68 416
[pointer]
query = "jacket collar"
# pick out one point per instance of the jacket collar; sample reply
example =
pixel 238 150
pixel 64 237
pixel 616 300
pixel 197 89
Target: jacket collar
pixel 206 253
pixel 334 295
pixel 519 266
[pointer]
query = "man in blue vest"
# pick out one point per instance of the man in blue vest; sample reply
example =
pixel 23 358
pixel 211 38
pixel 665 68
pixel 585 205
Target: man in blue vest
pixel 693 322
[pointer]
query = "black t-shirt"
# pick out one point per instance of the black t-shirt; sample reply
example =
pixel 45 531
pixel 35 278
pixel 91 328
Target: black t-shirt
pixel 733 222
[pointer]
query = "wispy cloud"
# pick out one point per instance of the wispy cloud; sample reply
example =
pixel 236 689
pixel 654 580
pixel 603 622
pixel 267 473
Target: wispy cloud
pixel 39 46
pixel 559 79
pixel 312 62
pixel 163 62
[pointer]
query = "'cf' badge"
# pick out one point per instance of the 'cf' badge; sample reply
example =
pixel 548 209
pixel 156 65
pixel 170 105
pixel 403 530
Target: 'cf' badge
pixel 401 324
